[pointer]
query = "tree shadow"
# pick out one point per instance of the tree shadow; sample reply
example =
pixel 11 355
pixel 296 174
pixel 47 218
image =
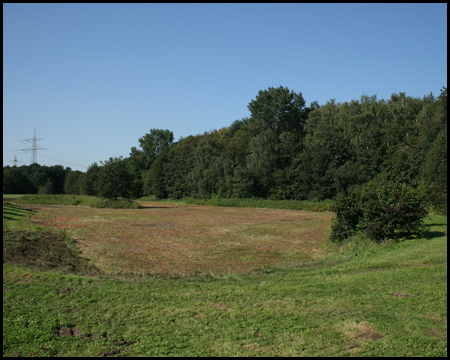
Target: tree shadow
pixel 14 212
pixel 434 234
pixel 153 207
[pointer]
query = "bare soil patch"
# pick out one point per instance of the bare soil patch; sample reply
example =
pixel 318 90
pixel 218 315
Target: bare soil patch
pixel 41 250
pixel 360 333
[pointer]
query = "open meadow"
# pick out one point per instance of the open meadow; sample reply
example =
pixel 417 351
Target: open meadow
pixel 180 240
pixel 195 280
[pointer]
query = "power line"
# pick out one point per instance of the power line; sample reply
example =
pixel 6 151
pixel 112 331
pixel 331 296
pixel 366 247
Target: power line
pixel 63 161
pixel 59 152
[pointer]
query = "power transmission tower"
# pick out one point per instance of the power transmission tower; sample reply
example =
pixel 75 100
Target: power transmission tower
pixel 15 161
pixel 33 147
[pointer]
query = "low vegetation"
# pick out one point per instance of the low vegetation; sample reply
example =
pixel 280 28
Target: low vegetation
pixel 380 212
pixel 115 204
pixel 72 200
pixel 306 205
pixel 69 290
pixel 76 200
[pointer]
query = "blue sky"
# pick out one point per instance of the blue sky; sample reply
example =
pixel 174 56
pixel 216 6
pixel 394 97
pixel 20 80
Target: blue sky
pixel 94 78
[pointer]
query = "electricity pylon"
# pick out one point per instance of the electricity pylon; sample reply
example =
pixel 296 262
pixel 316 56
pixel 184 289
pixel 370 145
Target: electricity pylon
pixel 33 147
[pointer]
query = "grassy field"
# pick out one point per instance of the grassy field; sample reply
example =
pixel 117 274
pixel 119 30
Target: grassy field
pixel 185 280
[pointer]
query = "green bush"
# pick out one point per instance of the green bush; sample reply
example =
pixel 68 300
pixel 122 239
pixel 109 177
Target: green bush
pixel 115 204
pixel 380 211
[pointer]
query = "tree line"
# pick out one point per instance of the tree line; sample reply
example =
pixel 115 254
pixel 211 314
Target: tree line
pixel 284 150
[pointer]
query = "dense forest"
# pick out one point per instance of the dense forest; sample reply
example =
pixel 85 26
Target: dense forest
pixel 284 150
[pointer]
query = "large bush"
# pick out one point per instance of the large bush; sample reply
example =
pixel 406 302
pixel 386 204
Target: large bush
pixel 381 211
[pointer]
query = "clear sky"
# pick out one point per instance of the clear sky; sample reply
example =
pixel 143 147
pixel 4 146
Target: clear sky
pixel 94 78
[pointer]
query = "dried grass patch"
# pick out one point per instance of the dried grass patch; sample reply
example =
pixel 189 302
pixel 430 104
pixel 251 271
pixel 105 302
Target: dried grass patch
pixel 358 333
pixel 190 239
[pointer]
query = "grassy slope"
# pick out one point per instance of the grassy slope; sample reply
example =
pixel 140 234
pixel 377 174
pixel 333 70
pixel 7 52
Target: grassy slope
pixel 388 300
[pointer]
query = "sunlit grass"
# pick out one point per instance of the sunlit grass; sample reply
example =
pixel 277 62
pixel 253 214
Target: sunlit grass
pixel 380 300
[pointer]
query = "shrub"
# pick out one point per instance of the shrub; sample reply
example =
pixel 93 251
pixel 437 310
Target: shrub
pixel 381 211
pixel 115 204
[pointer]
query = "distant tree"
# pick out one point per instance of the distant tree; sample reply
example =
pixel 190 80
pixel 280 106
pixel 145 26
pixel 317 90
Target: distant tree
pixel 157 178
pixel 434 172
pixel 88 180
pixel 48 188
pixel 114 179
pixel 155 143
pixel 207 170
pixel 278 109
pixel 152 145
pixel 262 161
pixel 72 182
pixel 16 181
pixel 180 162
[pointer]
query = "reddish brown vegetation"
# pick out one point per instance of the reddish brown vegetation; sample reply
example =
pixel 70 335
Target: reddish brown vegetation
pixel 185 239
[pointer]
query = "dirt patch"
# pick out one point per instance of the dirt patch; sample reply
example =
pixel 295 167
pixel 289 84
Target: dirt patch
pixel 41 250
pixel 437 332
pixel 110 353
pixel 436 318
pixel 67 331
pixel 115 352
pixel 60 222
pixel 69 291
pixel 400 295
pixel 360 333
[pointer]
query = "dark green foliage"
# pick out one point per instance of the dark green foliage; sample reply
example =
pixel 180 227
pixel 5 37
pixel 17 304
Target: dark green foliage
pixel 114 179
pixel 34 178
pixel 155 143
pixel 115 204
pixel 88 180
pixel 278 110
pixel 381 211
pixel 72 183
pixel 47 188
pixel 435 172
pixel 349 213
pixel 16 181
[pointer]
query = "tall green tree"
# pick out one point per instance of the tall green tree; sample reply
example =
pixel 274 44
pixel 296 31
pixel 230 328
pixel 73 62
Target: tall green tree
pixel 207 170
pixel 152 144
pixel 114 179
pixel 16 181
pixel 155 143
pixel 277 109
pixel 72 183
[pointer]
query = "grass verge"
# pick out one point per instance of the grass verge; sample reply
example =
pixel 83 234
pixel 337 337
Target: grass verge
pixel 72 200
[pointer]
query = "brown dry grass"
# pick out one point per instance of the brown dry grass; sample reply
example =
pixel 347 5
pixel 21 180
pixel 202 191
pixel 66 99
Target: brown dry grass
pixel 359 333
pixel 187 239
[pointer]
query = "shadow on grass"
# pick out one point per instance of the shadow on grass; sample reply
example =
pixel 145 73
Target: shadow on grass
pixel 434 234
pixel 14 212
pixel 153 207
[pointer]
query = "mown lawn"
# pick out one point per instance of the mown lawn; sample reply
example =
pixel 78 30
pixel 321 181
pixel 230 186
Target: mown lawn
pixel 360 300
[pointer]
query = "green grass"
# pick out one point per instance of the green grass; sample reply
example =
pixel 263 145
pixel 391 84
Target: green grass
pixel 384 300
pixel 15 217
